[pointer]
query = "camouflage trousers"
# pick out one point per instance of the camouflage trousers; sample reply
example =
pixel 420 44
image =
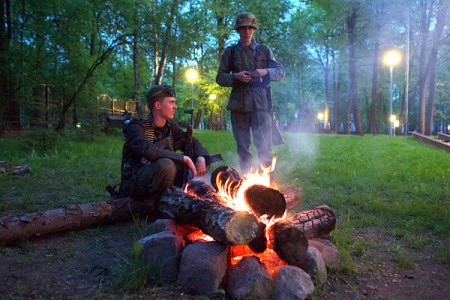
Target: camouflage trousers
pixel 260 124
pixel 151 180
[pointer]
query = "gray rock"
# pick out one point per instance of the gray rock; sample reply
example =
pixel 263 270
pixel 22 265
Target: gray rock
pixel 161 255
pixel 330 253
pixel 291 283
pixel 249 279
pixel 313 264
pixel 203 267
pixel 165 225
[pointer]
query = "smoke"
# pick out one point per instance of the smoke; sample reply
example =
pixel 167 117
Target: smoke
pixel 296 156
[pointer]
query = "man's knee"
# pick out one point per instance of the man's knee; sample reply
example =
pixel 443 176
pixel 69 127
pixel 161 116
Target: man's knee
pixel 165 170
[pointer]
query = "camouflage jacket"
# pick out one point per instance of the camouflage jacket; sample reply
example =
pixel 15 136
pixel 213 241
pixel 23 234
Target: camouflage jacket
pixel 256 94
pixel 144 143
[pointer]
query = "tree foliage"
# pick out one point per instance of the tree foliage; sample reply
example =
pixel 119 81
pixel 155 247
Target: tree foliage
pixel 60 60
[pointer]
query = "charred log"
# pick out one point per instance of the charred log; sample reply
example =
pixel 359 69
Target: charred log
pixel 288 241
pixel 265 201
pixel 316 222
pixel 224 174
pixel 220 222
pixel 291 196
pixel 204 191
pixel 201 190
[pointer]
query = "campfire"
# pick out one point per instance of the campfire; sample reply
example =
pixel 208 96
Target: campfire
pixel 248 218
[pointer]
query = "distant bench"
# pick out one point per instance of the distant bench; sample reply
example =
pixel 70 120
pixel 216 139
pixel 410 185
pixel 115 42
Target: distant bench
pixel 431 141
pixel 444 137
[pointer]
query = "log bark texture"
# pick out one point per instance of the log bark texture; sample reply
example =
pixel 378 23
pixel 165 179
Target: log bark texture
pixel 316 222
pixel 71 217
pixel 223 224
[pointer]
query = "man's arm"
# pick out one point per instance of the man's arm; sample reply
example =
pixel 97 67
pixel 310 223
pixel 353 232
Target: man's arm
pixel 275 68
pixel 224 74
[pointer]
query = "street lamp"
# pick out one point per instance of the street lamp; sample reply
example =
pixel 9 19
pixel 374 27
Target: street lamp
pixel 391 59
pixel 320 117
pixel 392 122
pixel 192 75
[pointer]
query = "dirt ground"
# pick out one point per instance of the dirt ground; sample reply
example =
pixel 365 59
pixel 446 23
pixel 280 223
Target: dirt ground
pixel 88 264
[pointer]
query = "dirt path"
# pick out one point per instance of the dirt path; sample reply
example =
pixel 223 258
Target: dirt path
pixel 89 264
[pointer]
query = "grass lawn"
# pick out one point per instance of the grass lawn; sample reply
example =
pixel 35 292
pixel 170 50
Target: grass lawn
pixel 395 184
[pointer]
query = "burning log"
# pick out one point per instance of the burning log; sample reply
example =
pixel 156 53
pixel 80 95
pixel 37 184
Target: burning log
pixel 204 191
pixel 315 222
pixel 261 200
pixel 201 190
pixel 288 241
pixel 223 224
pixel 265 201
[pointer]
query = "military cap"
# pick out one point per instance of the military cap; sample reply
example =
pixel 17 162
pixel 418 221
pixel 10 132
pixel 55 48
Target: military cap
pixel 159 91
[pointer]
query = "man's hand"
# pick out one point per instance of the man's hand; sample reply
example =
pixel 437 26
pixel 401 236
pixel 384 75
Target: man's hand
pixel 201 166
pixel 259 73
pixel 243 76
pixel 188 162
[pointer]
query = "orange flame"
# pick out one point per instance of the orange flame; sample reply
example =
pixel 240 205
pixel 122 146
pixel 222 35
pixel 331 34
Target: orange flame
pixel 233 194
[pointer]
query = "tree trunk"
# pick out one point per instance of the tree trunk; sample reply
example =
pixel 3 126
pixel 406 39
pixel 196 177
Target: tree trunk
pixel 373 106
pixel 431 67
pixel 137 77
pixel 353 99
pixel 169 20
pixel 423 76
pixel 336 94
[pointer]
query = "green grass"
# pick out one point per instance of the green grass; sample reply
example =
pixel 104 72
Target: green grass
pixel 395 184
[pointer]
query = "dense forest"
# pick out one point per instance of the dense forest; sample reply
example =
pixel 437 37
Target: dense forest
pixel 66 63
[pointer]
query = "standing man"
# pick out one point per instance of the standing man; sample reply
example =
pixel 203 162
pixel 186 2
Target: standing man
pixel 150 162
pixel 249 68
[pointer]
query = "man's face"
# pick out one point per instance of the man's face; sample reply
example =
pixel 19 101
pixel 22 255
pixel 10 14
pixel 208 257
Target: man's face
pixel 246 34
pixel 166 107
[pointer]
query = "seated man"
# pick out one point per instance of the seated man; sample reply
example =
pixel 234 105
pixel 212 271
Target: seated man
pixel 150 162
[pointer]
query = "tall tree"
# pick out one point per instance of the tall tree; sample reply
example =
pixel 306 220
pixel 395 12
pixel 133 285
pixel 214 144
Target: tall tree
pixel 431 66
pixel 353 102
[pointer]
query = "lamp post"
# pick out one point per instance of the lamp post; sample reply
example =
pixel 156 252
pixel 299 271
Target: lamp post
pixel 391 59
pixel 191 75
pixel 320 117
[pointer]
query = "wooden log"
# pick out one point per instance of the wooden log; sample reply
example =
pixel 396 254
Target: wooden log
pixel 316 222
pixel 201 190
pixel 288 241
pixel 265 201
pixel 291 196
pixel 71 217
pixel 224 174
pixel 260 199
pixel 223 224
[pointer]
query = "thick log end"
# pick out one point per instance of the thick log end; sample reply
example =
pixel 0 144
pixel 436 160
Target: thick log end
pixel 242 228
pixel 264 200
pixel 289 242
